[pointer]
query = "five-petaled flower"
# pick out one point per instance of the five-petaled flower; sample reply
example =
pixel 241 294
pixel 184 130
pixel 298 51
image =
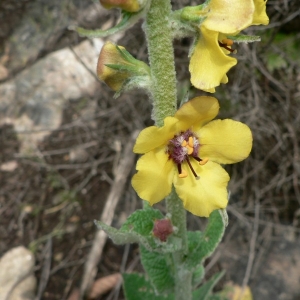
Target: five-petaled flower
pixel 209 59
pixel 186 152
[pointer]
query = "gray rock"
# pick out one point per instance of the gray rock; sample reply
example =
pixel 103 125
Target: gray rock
pixel 17 280
pixel 34 100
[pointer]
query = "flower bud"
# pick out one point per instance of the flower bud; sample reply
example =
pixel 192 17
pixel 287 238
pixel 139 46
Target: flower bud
pixel 127 5
pixel 162 229
pixel 117 67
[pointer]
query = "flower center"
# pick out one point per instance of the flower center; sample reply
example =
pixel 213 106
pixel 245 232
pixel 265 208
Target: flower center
pixel 181 148
pixel 226 43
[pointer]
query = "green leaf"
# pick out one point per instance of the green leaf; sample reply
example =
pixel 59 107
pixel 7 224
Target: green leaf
pixel 136 287
pixel 275 61
pixel 128 20
pixel 202 245
pixel 141 221
pixel 159 269
pixel 204 292
pixel 138 229
pixel 198 276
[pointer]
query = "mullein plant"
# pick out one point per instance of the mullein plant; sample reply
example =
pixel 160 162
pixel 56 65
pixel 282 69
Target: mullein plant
pixel 183 153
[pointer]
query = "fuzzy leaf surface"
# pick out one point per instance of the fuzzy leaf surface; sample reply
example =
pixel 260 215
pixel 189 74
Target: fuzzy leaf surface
pixel 136 287
pixel 202 245
pixel 138 229
pixel 159 269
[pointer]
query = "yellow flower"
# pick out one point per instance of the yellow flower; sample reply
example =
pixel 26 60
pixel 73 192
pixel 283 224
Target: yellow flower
pixel 187 152
pixel 127 5
pixel 210 60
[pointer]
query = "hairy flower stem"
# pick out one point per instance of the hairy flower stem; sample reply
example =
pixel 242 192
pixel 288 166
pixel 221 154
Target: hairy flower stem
pixel 161 57
pixel 183 278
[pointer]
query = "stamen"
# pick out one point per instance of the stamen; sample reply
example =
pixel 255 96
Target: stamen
pixel 184 143
pixel 190 165
pixel 191 141
pixel 203 161
pixel 189 149
pixel 183 174
pixel 227 42
pixel 225 46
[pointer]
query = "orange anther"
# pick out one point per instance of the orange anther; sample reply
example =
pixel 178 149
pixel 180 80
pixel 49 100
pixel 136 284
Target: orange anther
pixel 183 174
pixel 191 141
pixel 189 149
pixel 227 42
pixel 184 143
pixel 203 161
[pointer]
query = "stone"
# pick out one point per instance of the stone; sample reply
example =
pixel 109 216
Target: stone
pixel 17 280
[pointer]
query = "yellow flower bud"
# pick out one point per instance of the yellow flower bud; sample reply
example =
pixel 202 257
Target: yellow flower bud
pixel 111 55
pixel 117 68
pixel 127 5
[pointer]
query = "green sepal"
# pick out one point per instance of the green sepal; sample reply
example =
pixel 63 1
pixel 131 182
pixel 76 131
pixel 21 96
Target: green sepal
pixel 122 68
pixel 202 245
pixel 128 19
pixel 159 270
pixel 194 14
pixel 138 229
pixel 136 82
pixel 204 292
pixel 134 67
pixel 241 38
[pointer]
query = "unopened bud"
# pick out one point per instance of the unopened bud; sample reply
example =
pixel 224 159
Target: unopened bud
pixel 116 66
pixel 162 229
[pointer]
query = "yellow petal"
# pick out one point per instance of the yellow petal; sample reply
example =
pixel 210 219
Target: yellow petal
pixel 153 137
pixel 204 195
pixel 199 111
pixel 153 181
pixel 209 64
pixel 229 17
pixel 225 141
pixel 260 15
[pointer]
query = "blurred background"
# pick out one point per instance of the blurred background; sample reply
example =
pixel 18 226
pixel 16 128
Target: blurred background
pixel 63 138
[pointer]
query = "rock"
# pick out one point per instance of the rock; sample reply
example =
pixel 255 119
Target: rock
pixel 32 28
pixel 33 101
pixel 17 280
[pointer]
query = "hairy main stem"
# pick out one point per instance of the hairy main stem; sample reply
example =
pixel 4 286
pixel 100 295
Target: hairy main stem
pixel 161 57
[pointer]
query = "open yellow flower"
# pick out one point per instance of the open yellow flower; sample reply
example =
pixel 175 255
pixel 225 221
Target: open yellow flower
pixel 210 60
pixel 187 152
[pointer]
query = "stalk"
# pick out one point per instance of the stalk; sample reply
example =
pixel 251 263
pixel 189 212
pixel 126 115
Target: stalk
pixel 161 57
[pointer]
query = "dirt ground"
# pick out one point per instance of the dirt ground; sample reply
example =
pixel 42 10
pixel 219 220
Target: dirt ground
pixel 52 191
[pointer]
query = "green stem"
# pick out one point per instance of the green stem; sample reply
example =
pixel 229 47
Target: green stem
pixel 161 57
pixel 183 277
